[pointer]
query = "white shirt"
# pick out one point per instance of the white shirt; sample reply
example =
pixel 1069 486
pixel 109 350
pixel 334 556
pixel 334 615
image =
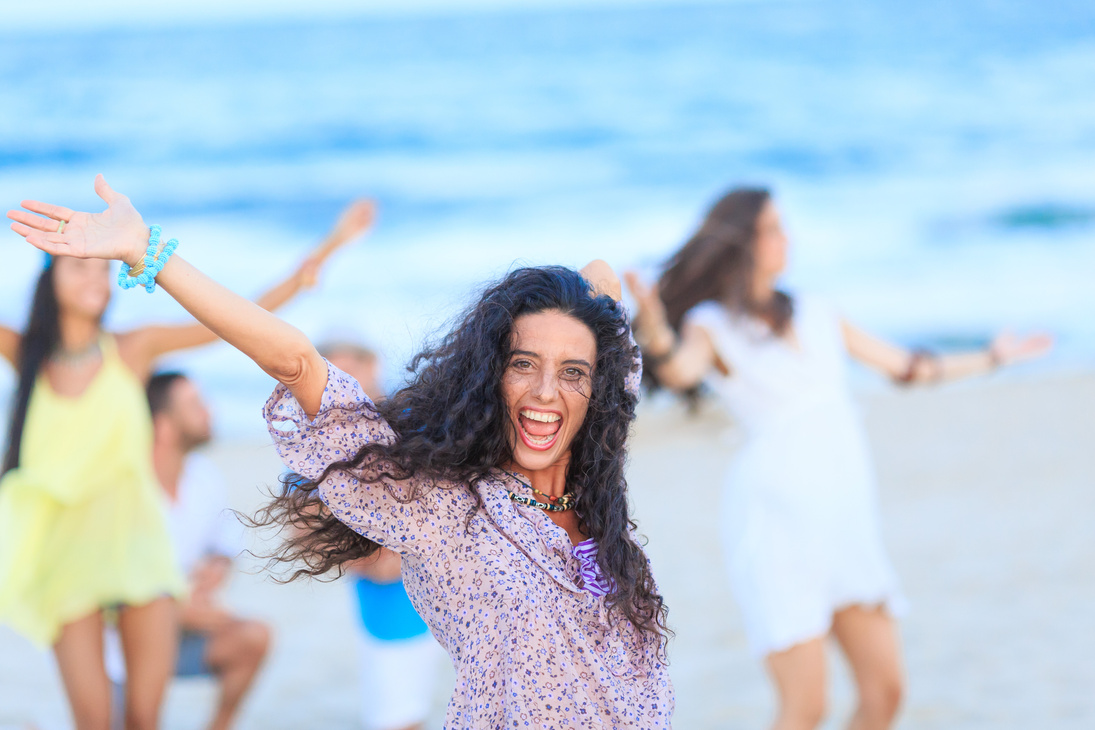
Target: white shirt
pixel 200 523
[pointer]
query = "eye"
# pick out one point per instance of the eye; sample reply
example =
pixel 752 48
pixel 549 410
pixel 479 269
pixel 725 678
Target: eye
pixel 521 364
pixel 573 373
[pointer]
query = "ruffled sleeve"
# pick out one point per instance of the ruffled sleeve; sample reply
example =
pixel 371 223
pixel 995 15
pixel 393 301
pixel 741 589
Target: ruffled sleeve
pixel 385 511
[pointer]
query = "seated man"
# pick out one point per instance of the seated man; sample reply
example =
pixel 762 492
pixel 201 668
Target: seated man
pixel 400 659
pixel 206 537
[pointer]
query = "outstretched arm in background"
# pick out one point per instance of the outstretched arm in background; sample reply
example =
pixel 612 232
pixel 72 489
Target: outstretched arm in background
pixel 120 233
pixel 9 345
pixel 678 365
pixel 142 347
pixel 907 367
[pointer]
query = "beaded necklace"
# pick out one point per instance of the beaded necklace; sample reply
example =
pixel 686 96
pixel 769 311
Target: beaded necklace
pixel 554 504
pixel 75 358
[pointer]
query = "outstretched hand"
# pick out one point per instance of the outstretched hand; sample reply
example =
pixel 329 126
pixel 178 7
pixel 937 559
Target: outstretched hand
pixel 1009 348
pixel 355 220
pixel 651 308
pixel 118 232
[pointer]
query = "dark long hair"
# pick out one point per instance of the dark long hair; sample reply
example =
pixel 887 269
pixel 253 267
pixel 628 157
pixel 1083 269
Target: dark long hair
pixel 452 425
pixel 42 335
pixel 717 263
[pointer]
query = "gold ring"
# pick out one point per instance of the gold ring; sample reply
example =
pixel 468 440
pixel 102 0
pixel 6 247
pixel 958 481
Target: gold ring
pixel 61 228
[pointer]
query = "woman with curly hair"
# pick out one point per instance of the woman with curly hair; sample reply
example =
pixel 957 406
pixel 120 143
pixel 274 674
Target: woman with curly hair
pixel 497 474
pixel 800 525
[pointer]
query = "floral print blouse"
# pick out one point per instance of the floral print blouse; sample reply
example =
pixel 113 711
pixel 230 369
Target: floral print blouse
pixel 503 592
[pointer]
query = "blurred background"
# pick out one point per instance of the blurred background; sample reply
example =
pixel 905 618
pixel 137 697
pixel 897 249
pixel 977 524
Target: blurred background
pixel 934 162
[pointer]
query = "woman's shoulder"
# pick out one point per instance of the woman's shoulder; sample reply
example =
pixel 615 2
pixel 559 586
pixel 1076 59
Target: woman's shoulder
pixel 709 314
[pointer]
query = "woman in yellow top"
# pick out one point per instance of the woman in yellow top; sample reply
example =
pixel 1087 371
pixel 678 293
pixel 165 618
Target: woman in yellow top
pixel 82 525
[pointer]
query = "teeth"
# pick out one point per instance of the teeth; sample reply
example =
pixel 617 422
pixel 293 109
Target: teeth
pixel 542 417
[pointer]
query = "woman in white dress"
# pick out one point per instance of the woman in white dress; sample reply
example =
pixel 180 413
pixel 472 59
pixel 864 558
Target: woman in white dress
pixel 801 532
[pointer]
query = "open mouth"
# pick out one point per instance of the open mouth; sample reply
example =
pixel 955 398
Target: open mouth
pixel 539 429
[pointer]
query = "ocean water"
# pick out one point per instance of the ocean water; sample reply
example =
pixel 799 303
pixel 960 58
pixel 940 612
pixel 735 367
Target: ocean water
pixel 934 161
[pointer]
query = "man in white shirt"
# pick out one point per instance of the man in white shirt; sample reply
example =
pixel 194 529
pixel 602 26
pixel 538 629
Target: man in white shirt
pixel 207 537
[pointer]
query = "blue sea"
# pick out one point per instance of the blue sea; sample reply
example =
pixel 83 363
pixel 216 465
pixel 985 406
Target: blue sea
pixel 934 161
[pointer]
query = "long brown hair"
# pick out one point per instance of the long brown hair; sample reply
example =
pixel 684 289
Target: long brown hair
pixel 40 338
pixel 717 263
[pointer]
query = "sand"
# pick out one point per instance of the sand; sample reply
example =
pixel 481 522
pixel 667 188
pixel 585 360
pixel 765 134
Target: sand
pixel 988 498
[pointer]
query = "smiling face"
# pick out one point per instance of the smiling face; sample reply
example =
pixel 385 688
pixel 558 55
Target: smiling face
pixel 547 386
pixel 82 286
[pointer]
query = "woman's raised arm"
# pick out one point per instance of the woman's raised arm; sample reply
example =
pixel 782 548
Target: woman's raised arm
pixel 148 344
pixel 678 365
pixel 120 233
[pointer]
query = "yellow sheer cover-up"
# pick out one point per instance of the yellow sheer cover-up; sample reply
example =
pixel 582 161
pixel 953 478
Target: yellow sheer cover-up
pixel 82 521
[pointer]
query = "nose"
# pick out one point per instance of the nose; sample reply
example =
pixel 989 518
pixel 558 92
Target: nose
pixel 546 387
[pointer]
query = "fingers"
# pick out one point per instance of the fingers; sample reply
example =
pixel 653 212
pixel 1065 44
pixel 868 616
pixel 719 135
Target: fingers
pixel 1039 344
pixel 56 212
pixel 363 210
pixel 1043 340
pixel 103 190
pixel 23 230
pixel 644 294
pixel 634 284
pixel 35 235
pixel 37 222
pixel 357 218
pixel 51 243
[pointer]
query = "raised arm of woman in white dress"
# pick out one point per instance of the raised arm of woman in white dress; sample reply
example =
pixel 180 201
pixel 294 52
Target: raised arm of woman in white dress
pixel 678 363
pixel 120 233
pixel 918 366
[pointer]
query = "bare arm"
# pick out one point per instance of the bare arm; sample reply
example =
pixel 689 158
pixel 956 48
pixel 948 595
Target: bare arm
pixel 383 566
pixel 142 347
pixel 679 364
pixel 907 367
pixel 10 340
pixel 281 350
pixel 604 280
pixel 120 233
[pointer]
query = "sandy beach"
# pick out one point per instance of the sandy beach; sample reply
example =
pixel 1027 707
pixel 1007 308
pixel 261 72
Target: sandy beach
pixel 988 495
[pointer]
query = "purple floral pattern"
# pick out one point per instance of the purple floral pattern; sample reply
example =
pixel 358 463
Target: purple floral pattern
pixel 502 592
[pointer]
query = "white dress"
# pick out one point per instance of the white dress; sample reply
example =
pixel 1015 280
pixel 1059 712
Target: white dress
pixel 800 519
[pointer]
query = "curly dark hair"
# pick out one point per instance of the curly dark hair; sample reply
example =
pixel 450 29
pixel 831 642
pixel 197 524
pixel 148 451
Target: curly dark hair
pixel 452 426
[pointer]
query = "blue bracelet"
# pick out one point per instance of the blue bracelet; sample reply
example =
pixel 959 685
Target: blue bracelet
pixel 154 261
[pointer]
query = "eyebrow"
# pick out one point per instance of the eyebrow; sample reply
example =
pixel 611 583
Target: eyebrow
pixel 529 353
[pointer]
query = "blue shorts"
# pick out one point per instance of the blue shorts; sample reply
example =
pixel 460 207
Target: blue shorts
pixel 191 660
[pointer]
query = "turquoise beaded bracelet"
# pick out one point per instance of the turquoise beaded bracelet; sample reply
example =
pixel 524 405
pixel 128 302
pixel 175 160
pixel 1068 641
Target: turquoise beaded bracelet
pixel 154 261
